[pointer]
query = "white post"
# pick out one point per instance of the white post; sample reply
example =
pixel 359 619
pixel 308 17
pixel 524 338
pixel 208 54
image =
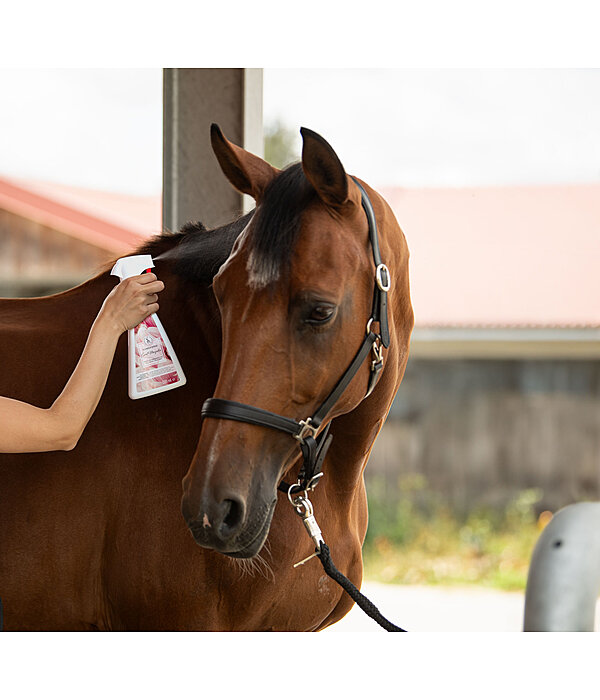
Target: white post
pixel 564 575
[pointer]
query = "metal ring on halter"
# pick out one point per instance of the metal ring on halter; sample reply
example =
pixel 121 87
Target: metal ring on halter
pixel 293 497
pixel 384 286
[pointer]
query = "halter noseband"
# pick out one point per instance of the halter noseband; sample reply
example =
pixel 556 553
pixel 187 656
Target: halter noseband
pixel 305 432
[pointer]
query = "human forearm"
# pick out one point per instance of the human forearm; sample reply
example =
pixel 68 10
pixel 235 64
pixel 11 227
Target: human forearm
pixel 27 428
pixel 77 402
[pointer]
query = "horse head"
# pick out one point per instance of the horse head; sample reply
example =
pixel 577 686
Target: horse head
pixel 295 297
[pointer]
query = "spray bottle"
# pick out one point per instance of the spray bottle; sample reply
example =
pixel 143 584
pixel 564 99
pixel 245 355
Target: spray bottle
pixel 153 365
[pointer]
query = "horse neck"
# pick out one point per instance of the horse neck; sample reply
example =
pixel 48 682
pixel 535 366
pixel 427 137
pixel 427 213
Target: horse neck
pixel 72 310
pixel 354 434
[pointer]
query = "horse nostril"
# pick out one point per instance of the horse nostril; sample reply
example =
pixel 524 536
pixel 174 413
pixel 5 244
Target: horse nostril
pixel 232 511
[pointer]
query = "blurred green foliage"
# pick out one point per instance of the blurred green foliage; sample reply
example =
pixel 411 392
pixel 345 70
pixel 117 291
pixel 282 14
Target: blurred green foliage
pixel 281 147
pixel 414 538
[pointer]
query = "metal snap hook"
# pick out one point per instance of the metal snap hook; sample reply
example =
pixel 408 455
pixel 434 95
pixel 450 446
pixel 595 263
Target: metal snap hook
pixel 304 508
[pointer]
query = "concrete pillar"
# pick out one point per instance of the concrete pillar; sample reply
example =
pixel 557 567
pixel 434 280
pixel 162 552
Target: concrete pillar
pixel 564 575
pixel 194 188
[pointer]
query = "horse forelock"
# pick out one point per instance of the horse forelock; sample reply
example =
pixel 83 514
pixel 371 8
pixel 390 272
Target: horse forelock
pixel 276 224
pixel 198 253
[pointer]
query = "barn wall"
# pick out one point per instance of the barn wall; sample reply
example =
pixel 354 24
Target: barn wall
pixel 481 431
pixel 36 259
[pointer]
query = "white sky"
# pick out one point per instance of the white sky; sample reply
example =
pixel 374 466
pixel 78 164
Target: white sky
pixel 89 127
pixel 103 127
pixel 449 128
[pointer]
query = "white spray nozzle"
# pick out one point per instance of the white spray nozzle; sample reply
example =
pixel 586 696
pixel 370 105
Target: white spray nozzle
pixel 132 265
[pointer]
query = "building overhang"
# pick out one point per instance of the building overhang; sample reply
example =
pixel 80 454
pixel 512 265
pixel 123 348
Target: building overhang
pixel 505 343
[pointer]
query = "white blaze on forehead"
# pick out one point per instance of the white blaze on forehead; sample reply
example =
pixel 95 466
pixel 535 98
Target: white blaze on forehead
pixel 259 273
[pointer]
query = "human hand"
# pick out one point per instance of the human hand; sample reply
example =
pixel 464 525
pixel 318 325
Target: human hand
pixel 131 301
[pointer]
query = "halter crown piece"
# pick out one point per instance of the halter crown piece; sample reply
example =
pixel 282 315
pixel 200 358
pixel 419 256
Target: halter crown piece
pixel 314 446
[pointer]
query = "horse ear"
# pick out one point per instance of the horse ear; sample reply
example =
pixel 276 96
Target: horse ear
pixel 246 172
pixel 323 169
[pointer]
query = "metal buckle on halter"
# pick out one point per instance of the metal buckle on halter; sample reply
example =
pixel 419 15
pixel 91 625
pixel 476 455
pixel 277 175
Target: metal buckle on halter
pixel 312 484
pixel 377 355
pixel 377 349
pixel 307 430
pixel 382 270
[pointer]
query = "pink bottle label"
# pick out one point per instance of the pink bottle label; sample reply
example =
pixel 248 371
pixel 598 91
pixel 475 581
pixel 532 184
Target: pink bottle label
pixel 154 367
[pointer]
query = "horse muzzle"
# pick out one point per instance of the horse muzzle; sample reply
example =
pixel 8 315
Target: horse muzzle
pixel 228 526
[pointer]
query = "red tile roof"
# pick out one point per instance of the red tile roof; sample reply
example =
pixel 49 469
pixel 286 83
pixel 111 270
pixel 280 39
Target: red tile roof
pixel 503 256
pixel 114 222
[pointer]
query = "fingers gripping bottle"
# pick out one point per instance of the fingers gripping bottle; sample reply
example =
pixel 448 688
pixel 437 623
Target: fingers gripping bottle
pixel 153 365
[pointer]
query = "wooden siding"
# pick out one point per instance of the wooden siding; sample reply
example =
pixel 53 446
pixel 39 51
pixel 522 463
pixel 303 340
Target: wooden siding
pixel 481 431
pixel 36 259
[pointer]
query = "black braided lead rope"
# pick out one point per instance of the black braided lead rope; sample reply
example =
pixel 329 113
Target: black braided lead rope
pixel 361 600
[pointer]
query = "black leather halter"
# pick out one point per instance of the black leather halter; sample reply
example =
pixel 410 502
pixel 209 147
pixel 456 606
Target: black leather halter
pixel 314 446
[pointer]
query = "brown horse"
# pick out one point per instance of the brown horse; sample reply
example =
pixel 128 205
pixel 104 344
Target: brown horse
pixel 93 538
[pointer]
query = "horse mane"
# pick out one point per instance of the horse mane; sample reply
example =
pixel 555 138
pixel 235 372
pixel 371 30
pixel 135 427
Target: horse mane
pixel 198 253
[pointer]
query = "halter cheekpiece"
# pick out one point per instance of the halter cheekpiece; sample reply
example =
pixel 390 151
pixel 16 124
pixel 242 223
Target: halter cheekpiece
pixel 314 446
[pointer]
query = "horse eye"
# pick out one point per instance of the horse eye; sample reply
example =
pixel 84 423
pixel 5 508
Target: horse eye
pixel 320 314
